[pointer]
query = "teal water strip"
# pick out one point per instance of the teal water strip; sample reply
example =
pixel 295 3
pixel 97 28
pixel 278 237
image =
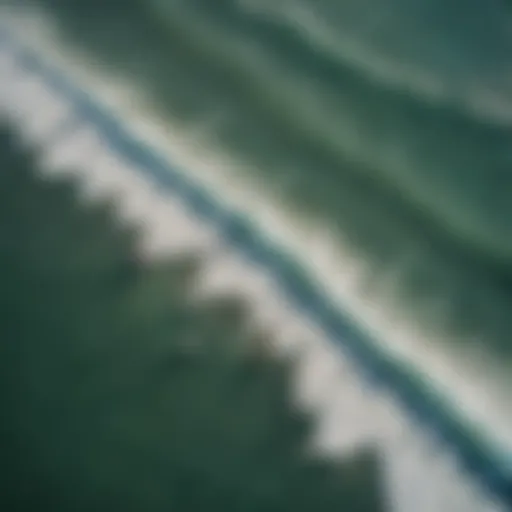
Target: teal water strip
pixel 376 368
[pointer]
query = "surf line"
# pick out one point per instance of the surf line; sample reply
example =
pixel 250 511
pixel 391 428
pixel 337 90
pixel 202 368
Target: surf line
pixel 374 365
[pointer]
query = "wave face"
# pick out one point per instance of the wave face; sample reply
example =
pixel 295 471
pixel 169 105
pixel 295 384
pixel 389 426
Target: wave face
pixel 419 98
pixel 391 120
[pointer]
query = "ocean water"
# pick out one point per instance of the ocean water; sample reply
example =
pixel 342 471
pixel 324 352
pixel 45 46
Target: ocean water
pixel 393 237
pixel 388 120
